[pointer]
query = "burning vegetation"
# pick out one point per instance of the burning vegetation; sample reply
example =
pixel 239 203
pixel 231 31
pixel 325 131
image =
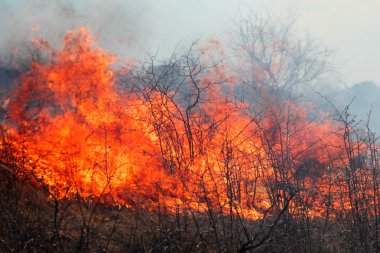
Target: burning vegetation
pixel 182 156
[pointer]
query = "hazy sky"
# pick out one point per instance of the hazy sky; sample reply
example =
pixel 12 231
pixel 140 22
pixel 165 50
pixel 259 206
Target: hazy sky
pixel 350 28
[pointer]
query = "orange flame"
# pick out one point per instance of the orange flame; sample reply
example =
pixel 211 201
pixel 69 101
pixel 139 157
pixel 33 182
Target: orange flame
pixel 85 138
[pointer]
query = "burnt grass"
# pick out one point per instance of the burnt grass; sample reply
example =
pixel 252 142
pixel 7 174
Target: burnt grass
pixel 30 221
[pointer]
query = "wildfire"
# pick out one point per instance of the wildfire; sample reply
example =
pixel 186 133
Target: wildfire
pixel 73 128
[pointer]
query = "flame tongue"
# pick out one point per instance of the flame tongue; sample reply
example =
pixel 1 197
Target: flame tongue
pixel 78 127
pixel 85 138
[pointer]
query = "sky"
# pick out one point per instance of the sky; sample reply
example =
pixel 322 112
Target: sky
pixel 350 29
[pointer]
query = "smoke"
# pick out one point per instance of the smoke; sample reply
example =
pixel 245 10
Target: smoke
pixel 363 99
pixel 128 28
pixel 115 23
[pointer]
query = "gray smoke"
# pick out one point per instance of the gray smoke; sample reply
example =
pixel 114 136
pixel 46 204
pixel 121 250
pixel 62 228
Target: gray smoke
pixel 117 24
pixel 131 28
pixel 364 99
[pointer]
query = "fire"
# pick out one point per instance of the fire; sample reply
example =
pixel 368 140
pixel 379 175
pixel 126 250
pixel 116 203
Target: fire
pixel 69 113
pixel 83 137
